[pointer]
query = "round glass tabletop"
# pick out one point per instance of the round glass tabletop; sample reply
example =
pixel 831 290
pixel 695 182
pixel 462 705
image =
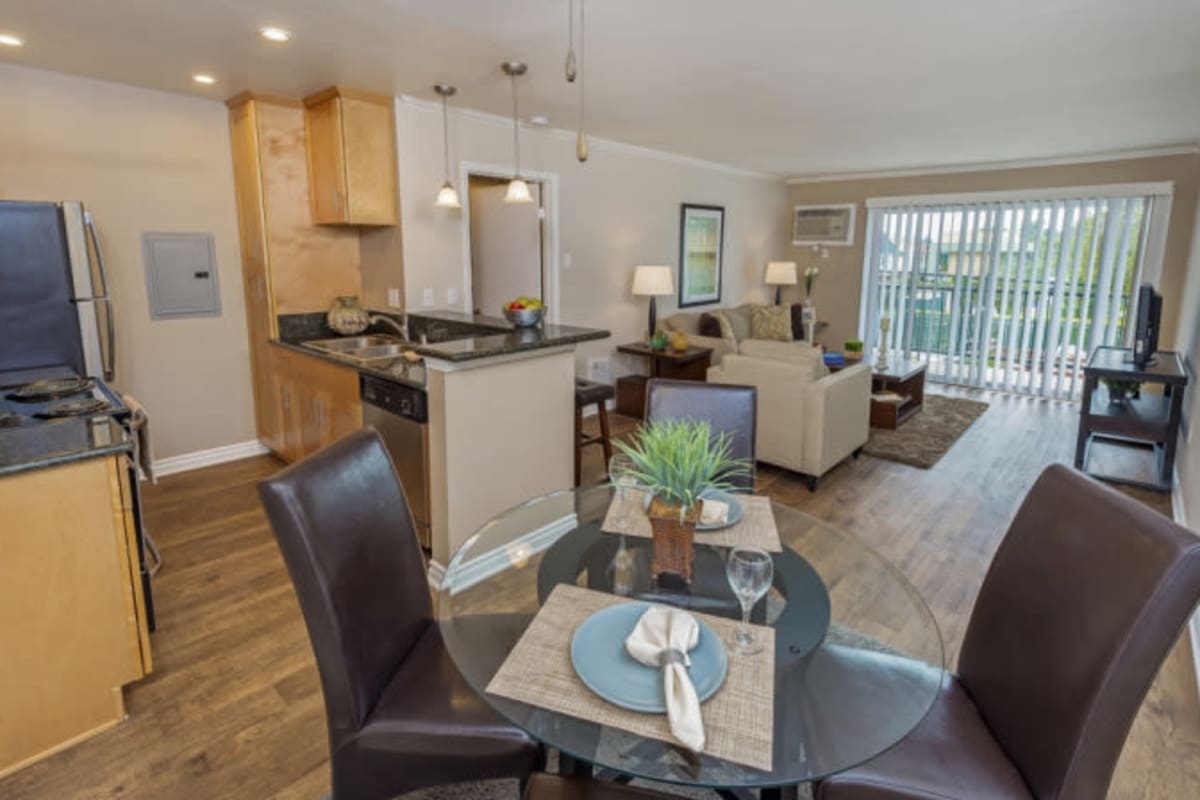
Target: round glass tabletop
pixel 858 655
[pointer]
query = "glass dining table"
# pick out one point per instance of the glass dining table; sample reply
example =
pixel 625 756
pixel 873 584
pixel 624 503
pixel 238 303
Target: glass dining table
pixel 859 658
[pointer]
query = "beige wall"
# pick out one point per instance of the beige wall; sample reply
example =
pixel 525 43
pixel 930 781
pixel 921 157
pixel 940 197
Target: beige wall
pixel 839 287
pixel 1187 341
pixel 618 210
pixel 143 161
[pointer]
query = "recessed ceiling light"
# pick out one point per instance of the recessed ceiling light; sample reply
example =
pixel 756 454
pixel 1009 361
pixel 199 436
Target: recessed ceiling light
pixel 539 119
pixel 11 41
pixel 207 80
pixel 275 34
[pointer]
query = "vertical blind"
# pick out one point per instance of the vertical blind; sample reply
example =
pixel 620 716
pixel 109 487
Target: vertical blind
pixel 1008 294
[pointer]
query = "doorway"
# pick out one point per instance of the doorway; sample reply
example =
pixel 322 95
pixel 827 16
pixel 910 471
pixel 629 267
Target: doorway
pixel 507 255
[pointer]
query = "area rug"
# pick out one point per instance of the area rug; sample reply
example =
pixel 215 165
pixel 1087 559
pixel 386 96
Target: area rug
pixel 927 435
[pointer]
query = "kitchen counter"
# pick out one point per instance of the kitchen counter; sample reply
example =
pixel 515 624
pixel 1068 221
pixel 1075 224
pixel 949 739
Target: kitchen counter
pixel 29 447
pixel 398 371
pixel 495 336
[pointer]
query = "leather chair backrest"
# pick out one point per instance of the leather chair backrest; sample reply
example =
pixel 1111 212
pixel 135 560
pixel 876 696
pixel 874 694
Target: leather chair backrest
pixel 1084 599
pixel 347 536
pixel 727 408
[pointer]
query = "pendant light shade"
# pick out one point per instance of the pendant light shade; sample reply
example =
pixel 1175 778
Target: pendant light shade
pixel 518 189
pixel 447 196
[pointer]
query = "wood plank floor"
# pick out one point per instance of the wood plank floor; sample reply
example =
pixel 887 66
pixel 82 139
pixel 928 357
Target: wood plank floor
pixel 234 707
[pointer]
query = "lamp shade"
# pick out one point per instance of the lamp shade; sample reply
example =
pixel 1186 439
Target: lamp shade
pixel 781 273
pixel 518 192
pixel 653 280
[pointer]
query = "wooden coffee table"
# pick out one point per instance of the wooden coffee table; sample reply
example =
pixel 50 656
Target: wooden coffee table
pixel 684 365
pixel 906 378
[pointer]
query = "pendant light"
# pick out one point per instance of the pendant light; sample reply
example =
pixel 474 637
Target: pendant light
pixel 581 140
pixel 447 196
pixel 569 68
pixel 518 189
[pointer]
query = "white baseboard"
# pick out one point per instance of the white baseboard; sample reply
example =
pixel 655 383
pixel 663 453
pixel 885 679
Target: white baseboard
pixel 207 458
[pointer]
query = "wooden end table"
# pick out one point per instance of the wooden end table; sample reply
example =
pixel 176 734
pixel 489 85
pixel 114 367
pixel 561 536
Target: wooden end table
pixel 1150 421
pixel 907 379
pixel 682 365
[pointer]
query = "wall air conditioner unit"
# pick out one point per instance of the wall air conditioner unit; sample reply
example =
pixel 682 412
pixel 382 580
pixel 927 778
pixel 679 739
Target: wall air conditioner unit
pixel 831 225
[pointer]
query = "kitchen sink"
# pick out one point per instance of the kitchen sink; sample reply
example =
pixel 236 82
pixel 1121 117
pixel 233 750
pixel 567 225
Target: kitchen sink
pixel 351 343
pixel 380 351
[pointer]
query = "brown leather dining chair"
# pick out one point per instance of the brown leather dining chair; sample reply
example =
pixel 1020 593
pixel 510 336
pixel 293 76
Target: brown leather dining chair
pixel 1084 599
pixel 727 408
pixel 400 715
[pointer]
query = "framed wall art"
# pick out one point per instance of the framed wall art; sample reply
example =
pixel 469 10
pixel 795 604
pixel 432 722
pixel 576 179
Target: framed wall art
pixel 701 246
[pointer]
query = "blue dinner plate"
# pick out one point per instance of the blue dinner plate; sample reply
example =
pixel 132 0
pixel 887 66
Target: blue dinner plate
pixel 601 661
pixel 735 509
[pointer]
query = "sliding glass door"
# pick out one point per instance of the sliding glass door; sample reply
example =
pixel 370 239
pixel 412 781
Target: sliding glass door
pixel 1008 294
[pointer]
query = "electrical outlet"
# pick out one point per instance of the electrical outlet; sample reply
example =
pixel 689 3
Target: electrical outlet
pixel 394 298
pixel 566 260
pixel 599 369
pixel 451 295
pixel 427 297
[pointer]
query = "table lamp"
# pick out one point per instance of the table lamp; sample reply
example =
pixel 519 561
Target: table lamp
pixel 651 281
pixel 780 274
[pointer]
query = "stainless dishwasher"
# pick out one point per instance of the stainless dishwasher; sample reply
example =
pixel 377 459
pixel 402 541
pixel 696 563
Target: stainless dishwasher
pixel 401 415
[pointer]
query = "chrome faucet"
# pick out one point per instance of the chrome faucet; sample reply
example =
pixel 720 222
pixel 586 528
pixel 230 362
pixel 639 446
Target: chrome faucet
pixel 402 329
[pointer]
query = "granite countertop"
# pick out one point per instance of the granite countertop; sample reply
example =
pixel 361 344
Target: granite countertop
pixel 49 444
pixel 444 335
pixel 495 336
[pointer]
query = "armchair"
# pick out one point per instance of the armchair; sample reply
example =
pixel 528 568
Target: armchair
pixel 807 422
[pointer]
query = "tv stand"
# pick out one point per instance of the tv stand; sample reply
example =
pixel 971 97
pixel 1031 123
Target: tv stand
pixel 1151 420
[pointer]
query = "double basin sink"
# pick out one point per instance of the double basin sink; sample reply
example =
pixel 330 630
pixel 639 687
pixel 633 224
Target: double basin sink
pixel 375 350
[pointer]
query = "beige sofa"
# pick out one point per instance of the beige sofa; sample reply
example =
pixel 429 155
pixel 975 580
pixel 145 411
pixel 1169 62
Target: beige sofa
pixel 808 419
pixel 739 320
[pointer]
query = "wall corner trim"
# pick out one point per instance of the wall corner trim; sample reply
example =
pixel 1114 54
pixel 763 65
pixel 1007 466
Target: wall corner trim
pixel 207 458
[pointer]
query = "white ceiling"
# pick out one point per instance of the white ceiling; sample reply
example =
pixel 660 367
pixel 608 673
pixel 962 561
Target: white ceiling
pixel 781 86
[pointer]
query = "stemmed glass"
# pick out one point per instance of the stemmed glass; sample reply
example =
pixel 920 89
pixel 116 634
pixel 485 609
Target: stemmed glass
pixel 749 570
pixel 620 472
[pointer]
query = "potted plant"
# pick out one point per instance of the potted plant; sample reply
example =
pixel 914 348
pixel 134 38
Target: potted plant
pixel 854 349
pixel 1119 389
pixel 674 461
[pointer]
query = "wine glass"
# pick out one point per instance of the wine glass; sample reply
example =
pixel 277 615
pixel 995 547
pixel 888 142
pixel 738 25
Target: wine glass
pixel 749 570
pixel 620 472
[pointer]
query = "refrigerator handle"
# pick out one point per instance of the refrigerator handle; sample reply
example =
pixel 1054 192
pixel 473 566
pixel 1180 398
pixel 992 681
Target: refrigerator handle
pixel 110 353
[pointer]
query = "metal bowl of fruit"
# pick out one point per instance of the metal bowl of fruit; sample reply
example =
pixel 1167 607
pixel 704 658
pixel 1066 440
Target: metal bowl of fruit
pixel 524 312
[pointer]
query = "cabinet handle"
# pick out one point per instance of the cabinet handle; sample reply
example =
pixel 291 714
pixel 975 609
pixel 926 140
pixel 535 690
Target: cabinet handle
pixel 287 400
pixel 319 412
pixel 337 203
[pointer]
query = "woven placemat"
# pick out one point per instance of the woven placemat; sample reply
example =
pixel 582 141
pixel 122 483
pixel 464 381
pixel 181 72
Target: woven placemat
pixel 739 720
pixel 757 528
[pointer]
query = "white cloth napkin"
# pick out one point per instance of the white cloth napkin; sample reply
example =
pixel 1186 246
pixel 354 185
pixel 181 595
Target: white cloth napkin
pixel 713 512
pixel 662 638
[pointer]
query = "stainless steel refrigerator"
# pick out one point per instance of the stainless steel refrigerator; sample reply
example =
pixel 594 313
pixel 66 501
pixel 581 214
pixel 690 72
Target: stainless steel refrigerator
pixel 54 302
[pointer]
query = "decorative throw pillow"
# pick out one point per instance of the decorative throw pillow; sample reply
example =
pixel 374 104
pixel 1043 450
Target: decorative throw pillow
pixel 709 326
pixel 725 328
pixel 797 321
pixel 771 322
pixel 739 320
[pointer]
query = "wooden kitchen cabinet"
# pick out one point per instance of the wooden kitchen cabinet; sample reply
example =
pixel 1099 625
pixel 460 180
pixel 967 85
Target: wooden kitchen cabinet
pixel 316 402
pixel 351 157
pixel 74 627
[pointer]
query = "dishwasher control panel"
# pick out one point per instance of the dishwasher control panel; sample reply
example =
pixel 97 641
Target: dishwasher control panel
pixel 404 401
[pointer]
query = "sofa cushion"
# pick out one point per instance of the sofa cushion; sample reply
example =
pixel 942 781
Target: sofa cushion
pixel 739 320
pixel 798 353
pixel 771 322
pixel 684 321
pixel 709 326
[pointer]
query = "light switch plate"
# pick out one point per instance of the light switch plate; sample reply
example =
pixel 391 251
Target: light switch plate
pixel 394 298
pixel 427 297
pixel 452 295
pixel 566 260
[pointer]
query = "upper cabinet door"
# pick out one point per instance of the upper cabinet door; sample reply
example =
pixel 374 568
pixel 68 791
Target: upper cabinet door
pixel 351 158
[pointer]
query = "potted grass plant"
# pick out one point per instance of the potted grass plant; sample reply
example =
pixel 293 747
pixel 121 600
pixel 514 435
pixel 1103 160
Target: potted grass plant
pixel 674 461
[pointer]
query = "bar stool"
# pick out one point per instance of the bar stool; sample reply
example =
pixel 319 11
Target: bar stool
pixel 587 393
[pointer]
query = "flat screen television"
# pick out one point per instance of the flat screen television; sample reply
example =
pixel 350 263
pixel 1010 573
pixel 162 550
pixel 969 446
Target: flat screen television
pixel 1145 330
